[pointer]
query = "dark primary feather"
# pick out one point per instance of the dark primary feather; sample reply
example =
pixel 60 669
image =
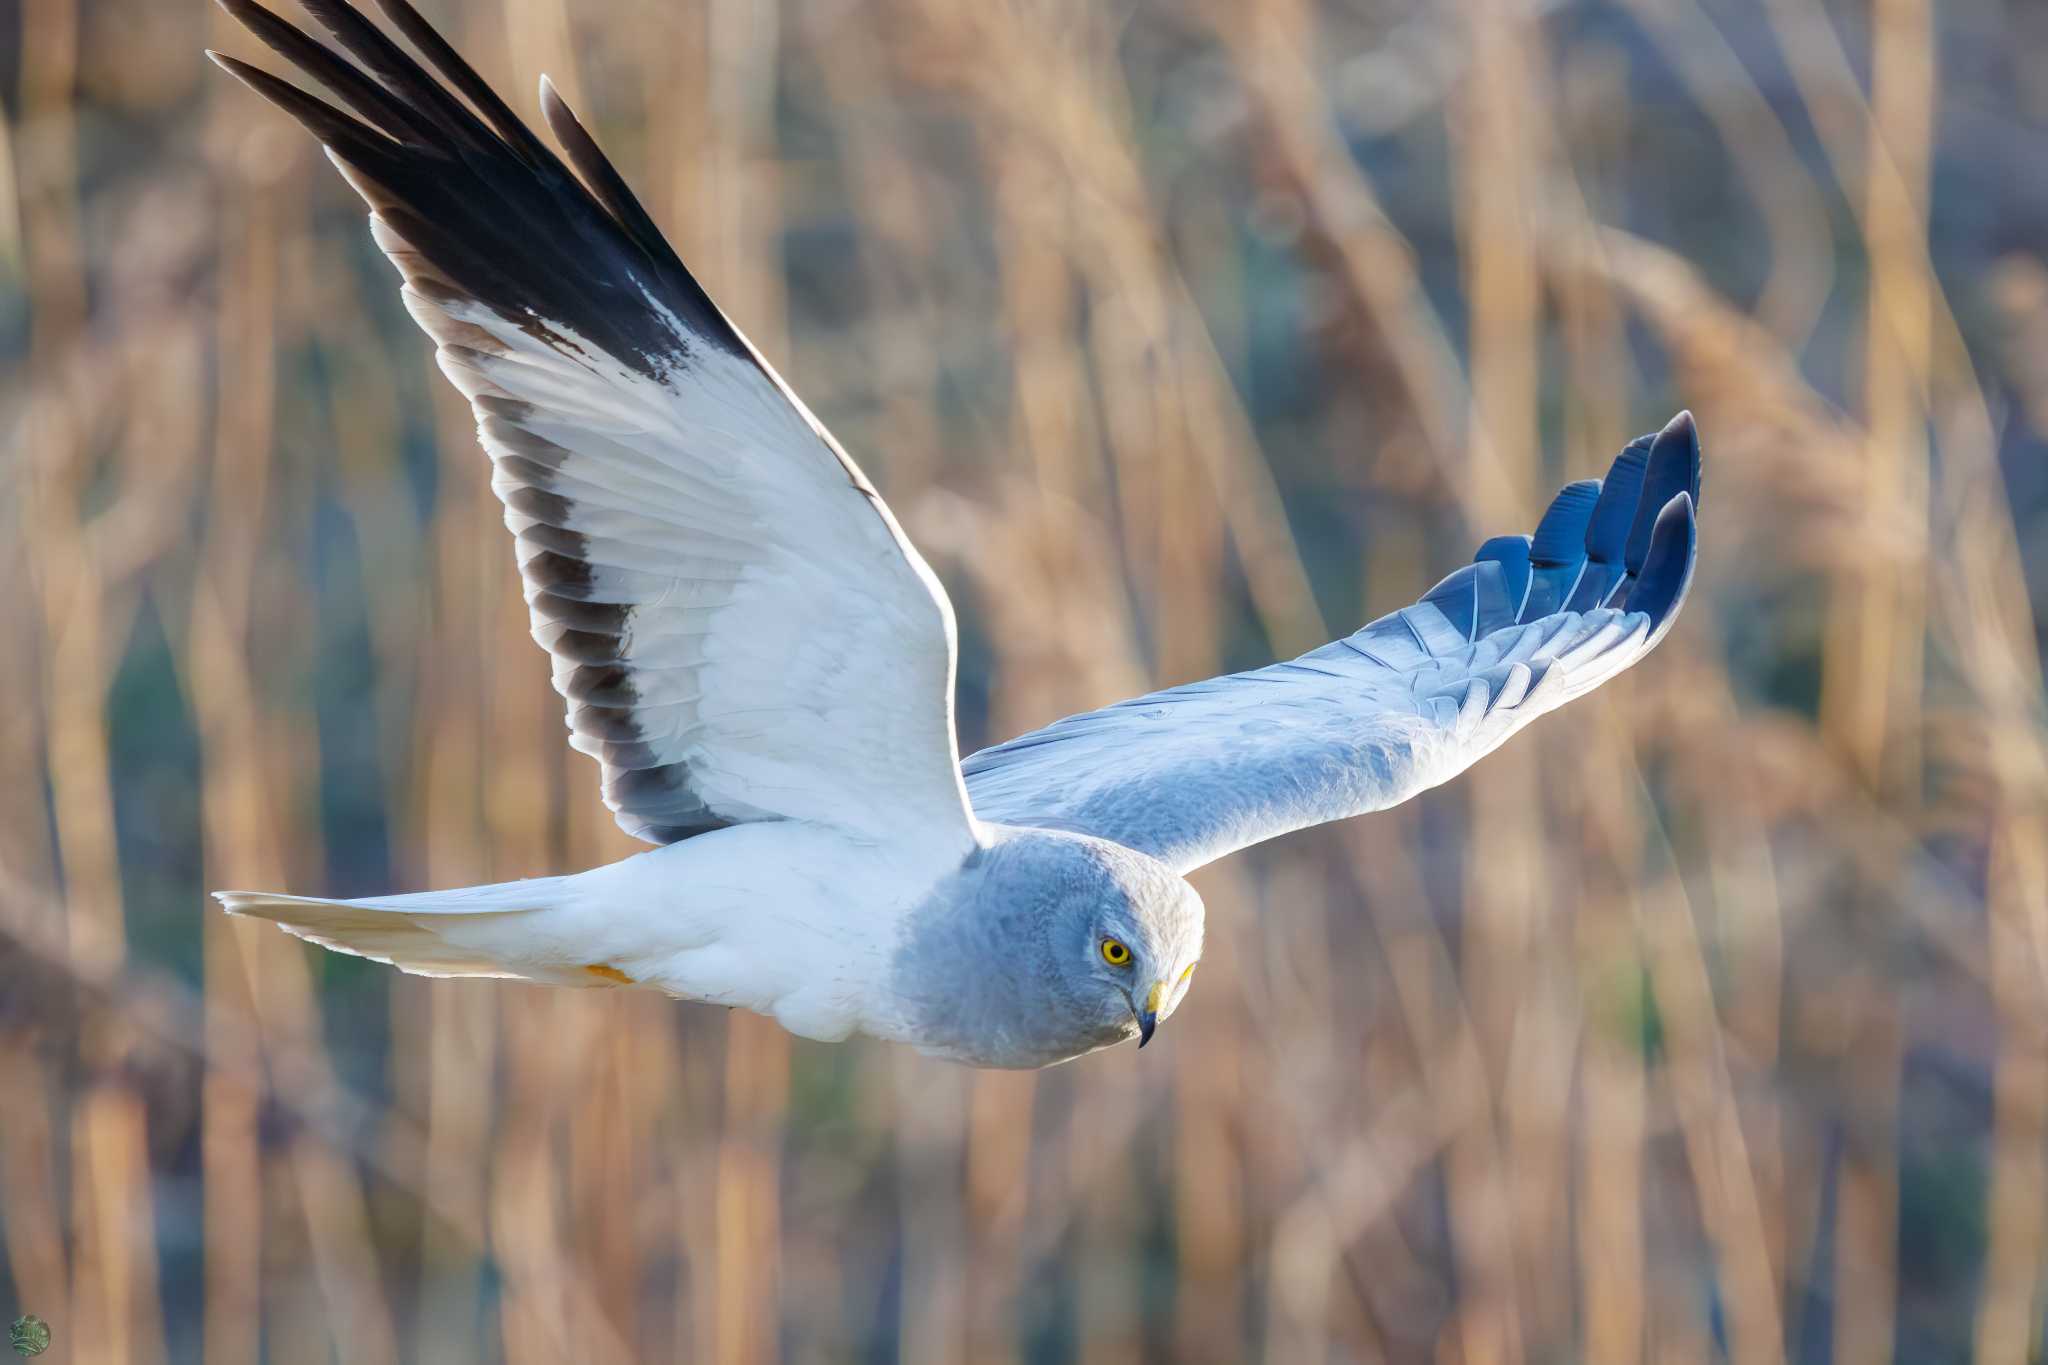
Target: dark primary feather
pixel 445 59
pixel 359 92
pixel 487 205
pixel 1591 547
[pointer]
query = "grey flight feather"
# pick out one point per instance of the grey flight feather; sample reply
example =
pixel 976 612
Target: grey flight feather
pixel 1195 772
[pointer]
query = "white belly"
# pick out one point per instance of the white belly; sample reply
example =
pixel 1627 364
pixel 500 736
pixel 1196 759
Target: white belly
pixel 787 919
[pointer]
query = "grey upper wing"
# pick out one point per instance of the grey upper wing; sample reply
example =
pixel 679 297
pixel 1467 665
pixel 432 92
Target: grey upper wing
pixel 1192 773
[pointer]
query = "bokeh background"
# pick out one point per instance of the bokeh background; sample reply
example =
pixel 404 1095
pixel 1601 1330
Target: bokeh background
pixel 1708 1021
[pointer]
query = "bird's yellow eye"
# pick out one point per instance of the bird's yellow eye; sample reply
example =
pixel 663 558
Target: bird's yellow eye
pixel 1115 953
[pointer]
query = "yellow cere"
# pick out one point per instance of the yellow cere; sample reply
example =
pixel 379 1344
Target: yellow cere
pixel 609 973
pixel 1115 953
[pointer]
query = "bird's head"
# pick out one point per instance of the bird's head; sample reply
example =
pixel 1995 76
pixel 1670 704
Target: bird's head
pixel 1048 945
pixel 1131 945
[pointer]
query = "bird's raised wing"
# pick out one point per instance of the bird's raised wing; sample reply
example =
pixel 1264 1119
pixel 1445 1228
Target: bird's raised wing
pixel 738 625
pixel 1192 773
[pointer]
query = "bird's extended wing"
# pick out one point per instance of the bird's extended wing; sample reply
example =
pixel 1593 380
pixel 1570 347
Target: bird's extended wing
pixel 738 625
pixel 1412 700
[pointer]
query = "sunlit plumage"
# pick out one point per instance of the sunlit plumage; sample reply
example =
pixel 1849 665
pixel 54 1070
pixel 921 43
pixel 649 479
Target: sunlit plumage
pixel 762 664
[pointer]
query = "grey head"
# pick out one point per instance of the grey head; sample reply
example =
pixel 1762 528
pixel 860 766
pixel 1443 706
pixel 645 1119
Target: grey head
pixel 1043 946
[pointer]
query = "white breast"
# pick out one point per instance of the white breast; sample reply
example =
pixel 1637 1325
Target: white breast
pixel 788 919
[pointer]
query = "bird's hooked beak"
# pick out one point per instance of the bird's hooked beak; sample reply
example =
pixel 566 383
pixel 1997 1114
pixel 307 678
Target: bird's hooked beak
pixel 1148 1016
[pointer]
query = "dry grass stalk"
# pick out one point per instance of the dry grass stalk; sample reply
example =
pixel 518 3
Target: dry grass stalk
pixel 1180 336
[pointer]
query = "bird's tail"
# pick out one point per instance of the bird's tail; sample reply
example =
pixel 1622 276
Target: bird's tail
pixel 473 931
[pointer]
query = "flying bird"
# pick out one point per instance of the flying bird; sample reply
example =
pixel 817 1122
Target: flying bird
pixel 762 664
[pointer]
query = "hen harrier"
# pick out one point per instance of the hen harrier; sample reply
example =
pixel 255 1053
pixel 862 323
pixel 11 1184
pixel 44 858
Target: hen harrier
pixel 762 664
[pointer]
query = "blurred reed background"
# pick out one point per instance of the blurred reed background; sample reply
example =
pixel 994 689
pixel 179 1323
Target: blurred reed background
pixel 1707 1021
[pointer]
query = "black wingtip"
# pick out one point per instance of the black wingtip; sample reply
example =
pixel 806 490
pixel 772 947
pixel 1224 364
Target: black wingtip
pixel 376 104
pixel 334 128
pixel 1614 515
pixel 600 177
pixel 1673 468
pixel 465 79
pixel 1561 534
pixel 1512 554
pixel 1668 565
pixel 1682 435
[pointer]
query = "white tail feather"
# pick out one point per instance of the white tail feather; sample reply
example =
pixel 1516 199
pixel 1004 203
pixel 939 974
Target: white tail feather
pixel 473 931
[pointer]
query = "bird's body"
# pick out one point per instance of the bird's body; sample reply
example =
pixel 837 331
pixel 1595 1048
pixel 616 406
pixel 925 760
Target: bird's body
pixel 828 933
pixel 762 664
